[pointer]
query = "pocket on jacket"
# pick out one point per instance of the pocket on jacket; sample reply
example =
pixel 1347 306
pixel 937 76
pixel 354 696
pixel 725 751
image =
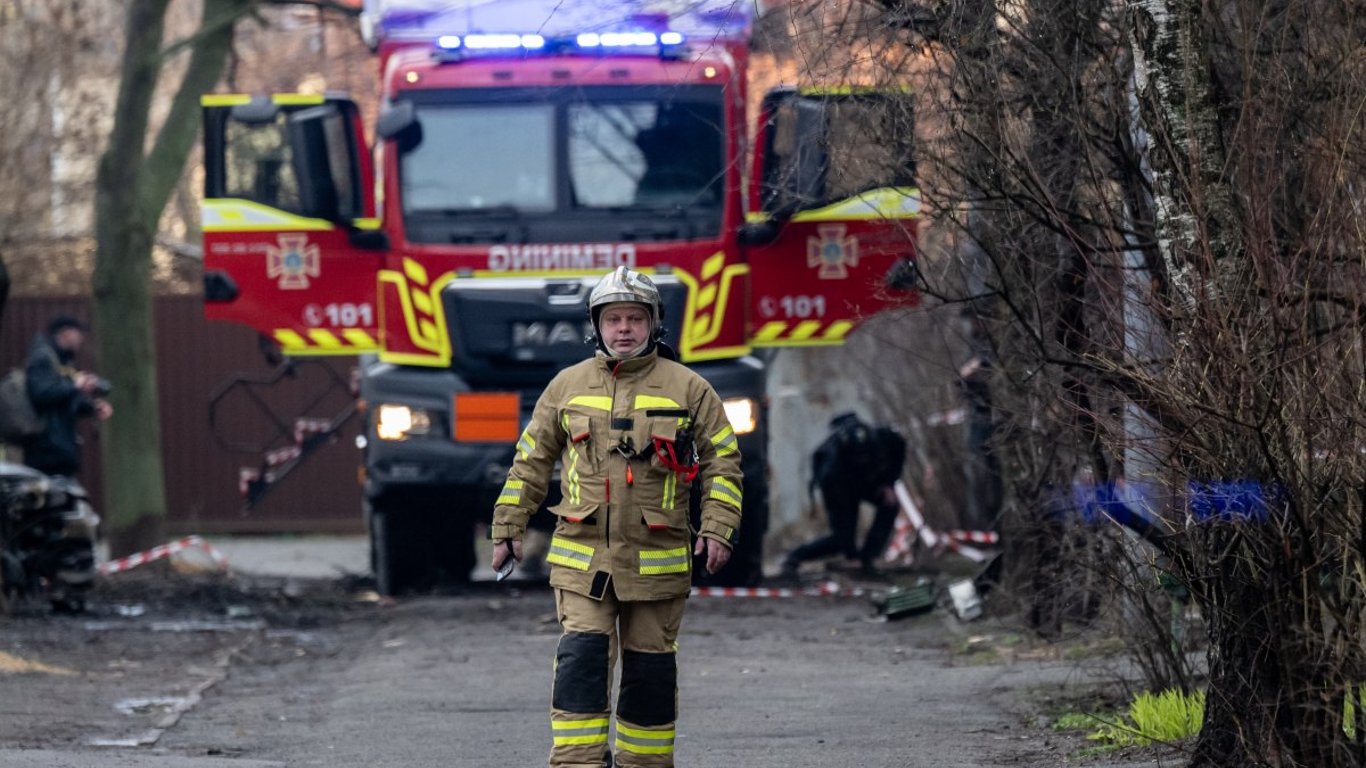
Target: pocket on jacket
pixel 665 520
pixel 575 514
pixel 666 551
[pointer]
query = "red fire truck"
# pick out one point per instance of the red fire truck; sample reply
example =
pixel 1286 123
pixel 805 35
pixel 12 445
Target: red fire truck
pixel 523 149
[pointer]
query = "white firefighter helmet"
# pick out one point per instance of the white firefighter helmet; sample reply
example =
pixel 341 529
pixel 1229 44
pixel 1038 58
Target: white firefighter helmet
pixel 624 285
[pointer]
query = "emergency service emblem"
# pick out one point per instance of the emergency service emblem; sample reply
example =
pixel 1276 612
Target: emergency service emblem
pixel 832 252
pixel 293 262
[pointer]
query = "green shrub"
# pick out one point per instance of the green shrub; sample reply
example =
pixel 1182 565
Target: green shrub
pixel 1167 717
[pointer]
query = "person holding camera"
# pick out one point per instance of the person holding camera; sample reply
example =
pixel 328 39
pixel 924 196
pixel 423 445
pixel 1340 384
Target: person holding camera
pixel 61 394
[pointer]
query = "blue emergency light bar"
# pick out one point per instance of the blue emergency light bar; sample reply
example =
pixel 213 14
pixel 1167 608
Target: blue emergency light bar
pixel 586 41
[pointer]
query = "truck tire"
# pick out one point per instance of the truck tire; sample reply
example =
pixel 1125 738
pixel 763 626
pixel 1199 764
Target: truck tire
pixel 396 557
pixel 452 552
pixel 420 541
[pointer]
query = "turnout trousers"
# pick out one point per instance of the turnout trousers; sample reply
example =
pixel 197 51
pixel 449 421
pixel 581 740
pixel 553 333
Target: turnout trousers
pixel 644 634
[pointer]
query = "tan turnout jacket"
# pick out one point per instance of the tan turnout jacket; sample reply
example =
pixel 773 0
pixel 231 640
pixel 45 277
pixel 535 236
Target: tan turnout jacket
pixel 624 517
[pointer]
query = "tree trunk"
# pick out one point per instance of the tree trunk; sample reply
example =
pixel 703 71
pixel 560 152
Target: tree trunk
pixel 132 187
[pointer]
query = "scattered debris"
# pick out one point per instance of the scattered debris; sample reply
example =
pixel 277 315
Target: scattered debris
pixel 913 600
pixel 967 604
pixel 14 665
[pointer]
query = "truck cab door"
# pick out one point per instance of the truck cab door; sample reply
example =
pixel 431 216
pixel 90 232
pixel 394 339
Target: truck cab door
pixel 833 239
pixel 291 243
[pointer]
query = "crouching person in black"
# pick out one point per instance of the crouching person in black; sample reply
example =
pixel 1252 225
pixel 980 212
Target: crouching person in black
pixel 856 463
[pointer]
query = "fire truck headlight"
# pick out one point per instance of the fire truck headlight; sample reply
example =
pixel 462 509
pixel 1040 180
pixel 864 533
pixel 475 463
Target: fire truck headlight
pixel 742 413
pixel 399 422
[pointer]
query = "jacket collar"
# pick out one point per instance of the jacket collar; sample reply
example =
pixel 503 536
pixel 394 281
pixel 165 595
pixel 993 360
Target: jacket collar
pixel 635 366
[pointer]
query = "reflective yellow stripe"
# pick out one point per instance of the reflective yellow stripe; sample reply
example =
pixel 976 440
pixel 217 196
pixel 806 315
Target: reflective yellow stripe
pixel 526 444
pixel 726 491
pixel 303 99
pixel 599 402
pixel 569 732
pixel 572 475
pixel 224 99
pixel 883 203
pixel 569 554
pixel 643 742
pixel 657 561
pixel 725 442
pixel 652 401
pixel 235 215
pixel 511 493
pixel 670 490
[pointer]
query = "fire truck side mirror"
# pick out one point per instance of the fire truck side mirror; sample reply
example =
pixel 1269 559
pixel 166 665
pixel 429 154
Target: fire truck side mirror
pixel 369 239
pixel 399 121
pixel 761 232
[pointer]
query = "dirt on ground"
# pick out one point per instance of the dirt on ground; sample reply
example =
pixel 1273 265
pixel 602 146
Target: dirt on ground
pixel 212 666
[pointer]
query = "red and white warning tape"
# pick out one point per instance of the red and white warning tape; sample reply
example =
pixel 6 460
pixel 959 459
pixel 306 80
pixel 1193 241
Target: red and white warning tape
pixel 165 550
pixel 828 588
pixel 975 537
pixel 910 525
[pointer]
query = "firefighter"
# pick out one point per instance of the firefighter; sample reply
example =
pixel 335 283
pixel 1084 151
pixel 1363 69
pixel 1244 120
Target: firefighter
pixel 631 429
pixel 856 463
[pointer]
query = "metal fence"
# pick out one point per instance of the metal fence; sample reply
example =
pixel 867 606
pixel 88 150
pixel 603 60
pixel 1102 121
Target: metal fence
pixel 194 360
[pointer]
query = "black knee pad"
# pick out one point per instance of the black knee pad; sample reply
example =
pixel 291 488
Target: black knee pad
pixel 649 688
pixel 581 673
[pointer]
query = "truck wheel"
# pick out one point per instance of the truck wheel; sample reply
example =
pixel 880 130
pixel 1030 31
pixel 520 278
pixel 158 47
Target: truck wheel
pixel 398 563
pixel 452 544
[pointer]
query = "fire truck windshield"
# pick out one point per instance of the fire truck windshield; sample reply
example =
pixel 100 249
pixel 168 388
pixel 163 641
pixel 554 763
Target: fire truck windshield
pixel 591 164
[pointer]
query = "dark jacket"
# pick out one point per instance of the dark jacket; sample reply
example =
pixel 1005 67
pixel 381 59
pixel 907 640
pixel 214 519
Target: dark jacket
pixel 858 457
pixel 52 389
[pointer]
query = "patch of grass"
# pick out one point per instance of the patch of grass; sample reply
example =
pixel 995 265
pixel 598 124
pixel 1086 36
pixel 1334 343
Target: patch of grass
pixel 1349 710
pixel 1169 716
pixel 1078 721
pixel 1103 648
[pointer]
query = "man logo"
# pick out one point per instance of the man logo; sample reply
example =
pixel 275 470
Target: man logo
pixel 537 334
pixel 293 262
pixel 832 252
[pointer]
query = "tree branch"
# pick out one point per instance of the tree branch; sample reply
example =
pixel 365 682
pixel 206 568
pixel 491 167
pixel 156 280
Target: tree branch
pixel 166 161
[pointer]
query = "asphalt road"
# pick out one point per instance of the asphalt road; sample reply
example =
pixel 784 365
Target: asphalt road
pixel 207 676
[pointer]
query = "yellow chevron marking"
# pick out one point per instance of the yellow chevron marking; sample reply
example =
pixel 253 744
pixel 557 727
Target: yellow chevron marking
pixel 706 296
pixel 708 300
pixel 289 340
pixel 805 329
pixel 415 271
pixel 838 330
pixel 324 338
pixel 360 339
pixel 770 331
pixel 712 266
